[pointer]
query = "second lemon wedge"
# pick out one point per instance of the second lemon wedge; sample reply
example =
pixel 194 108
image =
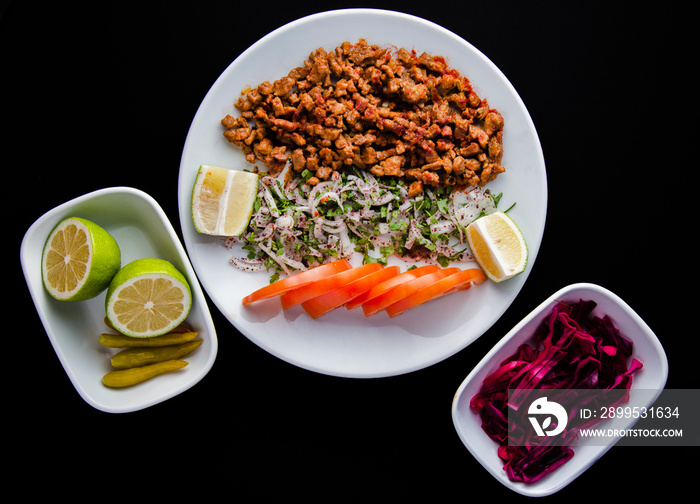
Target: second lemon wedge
pixel 498 246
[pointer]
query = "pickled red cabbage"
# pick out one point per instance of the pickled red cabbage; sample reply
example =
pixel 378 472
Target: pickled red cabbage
pixel 570 349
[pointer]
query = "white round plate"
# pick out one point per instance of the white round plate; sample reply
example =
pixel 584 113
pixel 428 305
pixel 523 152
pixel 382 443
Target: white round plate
pixel 344 342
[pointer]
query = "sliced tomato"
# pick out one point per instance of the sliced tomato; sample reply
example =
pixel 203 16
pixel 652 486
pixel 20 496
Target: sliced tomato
pixel 460 280
pixel 479 277
pixel 335 298
pixel 391 283
pixel 380 302
pixel 322 285
pixel 298 279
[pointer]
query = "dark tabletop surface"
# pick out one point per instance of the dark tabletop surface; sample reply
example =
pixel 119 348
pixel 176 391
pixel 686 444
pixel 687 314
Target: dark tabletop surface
pixel 100 91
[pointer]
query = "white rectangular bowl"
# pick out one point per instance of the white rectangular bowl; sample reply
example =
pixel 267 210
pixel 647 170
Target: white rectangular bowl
pixel 141 229
pixel 652 376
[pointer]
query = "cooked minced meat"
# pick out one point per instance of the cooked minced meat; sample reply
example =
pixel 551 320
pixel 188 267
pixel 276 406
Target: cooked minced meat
pixel 391 112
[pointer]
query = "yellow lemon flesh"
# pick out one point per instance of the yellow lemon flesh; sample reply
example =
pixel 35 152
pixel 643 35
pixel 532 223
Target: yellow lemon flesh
pixel 147 297
pixel 498 246
pixel 222 200
pixel 79 260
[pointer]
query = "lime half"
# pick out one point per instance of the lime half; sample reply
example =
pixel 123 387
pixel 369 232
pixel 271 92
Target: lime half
pixel 79 260
pixel 147 297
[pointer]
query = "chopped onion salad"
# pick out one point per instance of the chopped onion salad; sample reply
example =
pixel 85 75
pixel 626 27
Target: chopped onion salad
pixel 295 226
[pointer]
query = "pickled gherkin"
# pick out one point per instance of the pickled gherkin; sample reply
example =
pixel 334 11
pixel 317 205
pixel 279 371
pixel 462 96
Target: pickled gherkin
pixel 133 376
pixel 141 359
pixel 121 341
pixel 137 357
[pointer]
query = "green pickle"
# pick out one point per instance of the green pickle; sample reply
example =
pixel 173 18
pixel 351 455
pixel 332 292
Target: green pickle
pixel 144 358
pixel 133 376
pixel 137 357
pixel 121 341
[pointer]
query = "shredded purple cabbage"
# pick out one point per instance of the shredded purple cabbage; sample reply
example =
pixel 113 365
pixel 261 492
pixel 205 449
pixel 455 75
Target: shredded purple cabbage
pixel 570 349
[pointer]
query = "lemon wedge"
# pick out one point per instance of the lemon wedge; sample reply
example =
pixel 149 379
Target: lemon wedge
pixel 222 200
pixel 498 246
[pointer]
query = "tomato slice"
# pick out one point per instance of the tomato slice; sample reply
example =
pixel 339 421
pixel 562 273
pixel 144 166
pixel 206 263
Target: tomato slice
pixel 328 283
pixel 380 302
pixel 460 280
pixel 291 282
pixel 390 283
pixel 335 298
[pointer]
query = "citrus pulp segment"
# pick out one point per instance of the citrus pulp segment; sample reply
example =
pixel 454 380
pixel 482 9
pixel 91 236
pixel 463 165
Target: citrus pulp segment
pixel 222 200
pixel 79 260
pixel 147 297
pixel 498 246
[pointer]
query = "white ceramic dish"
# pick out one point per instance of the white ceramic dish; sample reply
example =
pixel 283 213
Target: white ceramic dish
pixel 344 343
pixel 651 377
pixel 141 229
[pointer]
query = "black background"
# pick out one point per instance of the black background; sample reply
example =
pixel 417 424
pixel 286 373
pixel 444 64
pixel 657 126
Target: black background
pixel 102 94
